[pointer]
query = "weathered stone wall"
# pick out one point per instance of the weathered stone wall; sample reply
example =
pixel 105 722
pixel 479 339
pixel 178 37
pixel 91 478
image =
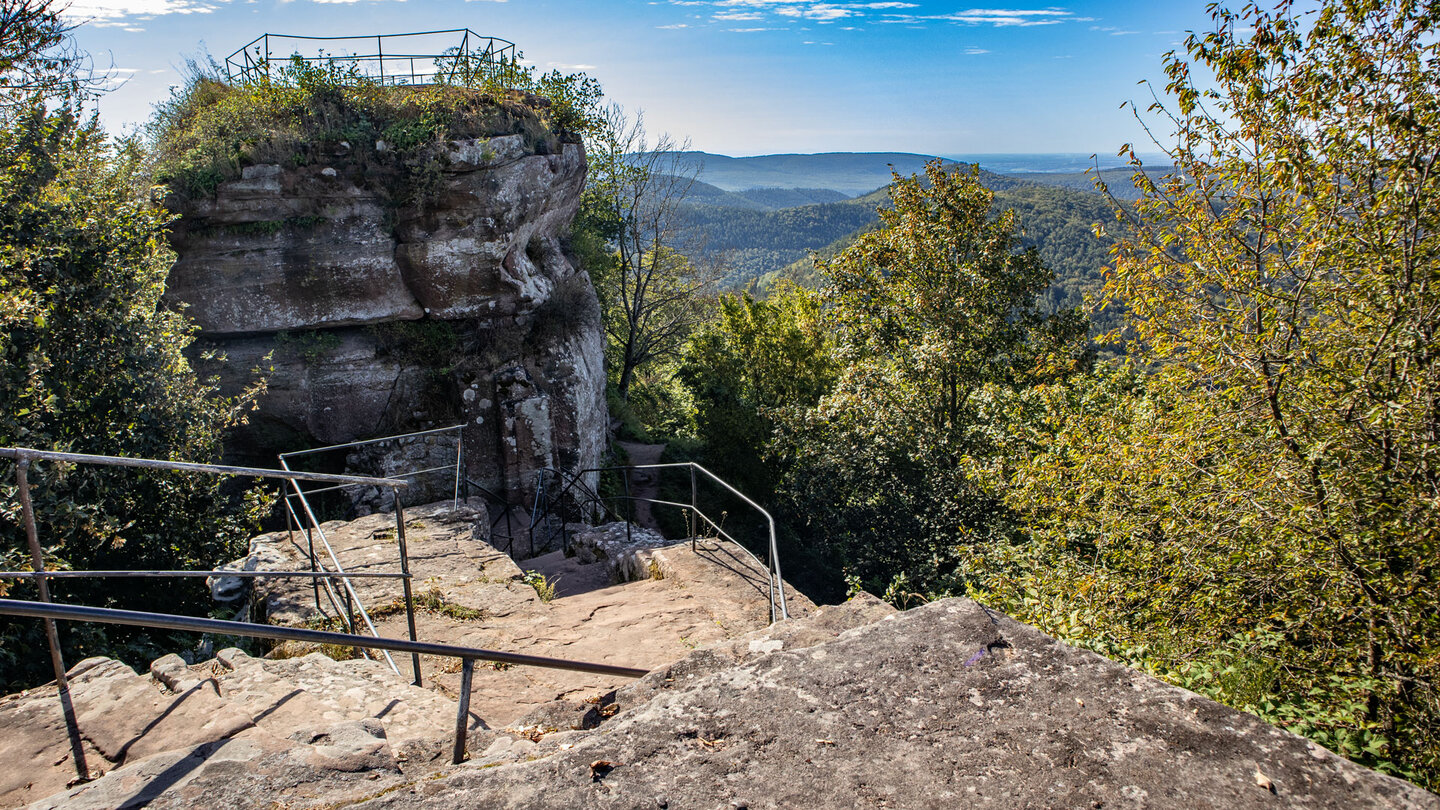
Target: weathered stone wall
pixel 371 314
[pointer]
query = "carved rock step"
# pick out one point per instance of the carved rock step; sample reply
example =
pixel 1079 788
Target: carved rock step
pixel 312 713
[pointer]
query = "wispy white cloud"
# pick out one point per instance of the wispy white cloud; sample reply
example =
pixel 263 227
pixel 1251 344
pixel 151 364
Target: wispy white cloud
pixel 997 17
pixel 883 11
pixel 818 11
pixel 974 51
pixel 110 13
pixel 673 26
pixel 566 66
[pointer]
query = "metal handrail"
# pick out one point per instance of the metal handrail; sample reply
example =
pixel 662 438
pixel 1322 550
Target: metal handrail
pixel 468 655
pixel 495 521
pixel 471 52
pixel 588 496
pixel 312 527
pixel 20 453
pixel 778 607
pixel 777 582
pixel 25 456
pixel 350 593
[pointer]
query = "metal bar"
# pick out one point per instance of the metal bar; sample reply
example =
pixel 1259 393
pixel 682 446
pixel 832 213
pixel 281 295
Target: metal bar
pixel 312 450
pixel 20 453
pixel 462 717
pixel 340 569
pixel 401 476
pixel 694 507
pixel 405 568
pixel 216 573
pixel 777 582
pixel 349 612
pixel 459 453
pixel 80 613
pixel 52 637
pixel 631 502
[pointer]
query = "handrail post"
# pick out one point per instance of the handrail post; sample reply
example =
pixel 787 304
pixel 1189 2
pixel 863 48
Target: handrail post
pixel 630 519
pixel 405 569
pixel 462 716
pixel 459 450
pixel 694 508
pixel 52 637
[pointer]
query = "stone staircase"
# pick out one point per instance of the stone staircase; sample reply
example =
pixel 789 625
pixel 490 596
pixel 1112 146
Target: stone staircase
pixel 175 735
pixel 946 705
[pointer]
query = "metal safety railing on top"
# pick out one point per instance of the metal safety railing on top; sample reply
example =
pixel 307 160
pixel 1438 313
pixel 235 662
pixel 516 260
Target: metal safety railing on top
pixel 49 612
pixel 567 495
pixel 445 57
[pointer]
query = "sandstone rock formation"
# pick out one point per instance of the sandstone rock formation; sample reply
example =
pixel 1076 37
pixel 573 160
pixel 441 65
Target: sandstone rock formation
pixel 852 705
pixel 948 705
pixel 379 306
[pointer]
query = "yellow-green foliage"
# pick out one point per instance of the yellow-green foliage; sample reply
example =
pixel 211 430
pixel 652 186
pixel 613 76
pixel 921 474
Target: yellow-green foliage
pixel 209 130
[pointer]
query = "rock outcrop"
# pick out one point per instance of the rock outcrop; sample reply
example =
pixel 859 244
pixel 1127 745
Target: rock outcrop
pixel 381 302
pixel 948 705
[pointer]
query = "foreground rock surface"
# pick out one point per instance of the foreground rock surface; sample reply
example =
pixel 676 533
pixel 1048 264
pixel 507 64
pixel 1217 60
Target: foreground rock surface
pixel 948 705
pixel 182 731
pixel 853 705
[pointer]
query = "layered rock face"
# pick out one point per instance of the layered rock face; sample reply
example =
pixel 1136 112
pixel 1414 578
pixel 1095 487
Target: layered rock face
pixel 376 306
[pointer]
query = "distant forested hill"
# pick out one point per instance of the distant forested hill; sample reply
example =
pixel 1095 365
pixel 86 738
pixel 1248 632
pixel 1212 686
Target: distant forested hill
pixel 1119 181
pixel 847 172
pixel 751 241
pixel 760 199
pixel 760 247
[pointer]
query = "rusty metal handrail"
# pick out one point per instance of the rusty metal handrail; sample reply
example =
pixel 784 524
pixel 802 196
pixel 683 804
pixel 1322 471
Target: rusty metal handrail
pixel 468 655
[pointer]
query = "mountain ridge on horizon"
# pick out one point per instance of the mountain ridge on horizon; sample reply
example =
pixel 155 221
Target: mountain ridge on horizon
pixel 857 173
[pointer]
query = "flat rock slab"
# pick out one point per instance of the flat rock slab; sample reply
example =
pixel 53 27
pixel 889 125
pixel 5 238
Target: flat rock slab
pixel 445 553
pixel 948 705
pixel 255 769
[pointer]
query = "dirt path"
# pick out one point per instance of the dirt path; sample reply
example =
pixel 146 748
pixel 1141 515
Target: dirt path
pixel 644 483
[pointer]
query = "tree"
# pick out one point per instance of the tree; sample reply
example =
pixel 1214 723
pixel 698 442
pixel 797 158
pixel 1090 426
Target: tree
pixel 651 294
pixel 91 362
pixel 1256 503
pixel 38 58
pixel 929 309
pixel 757 363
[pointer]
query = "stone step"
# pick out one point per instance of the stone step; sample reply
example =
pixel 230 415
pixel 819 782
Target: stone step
pixel 176 710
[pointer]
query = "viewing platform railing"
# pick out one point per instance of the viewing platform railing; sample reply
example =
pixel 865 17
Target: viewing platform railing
pixel 418 58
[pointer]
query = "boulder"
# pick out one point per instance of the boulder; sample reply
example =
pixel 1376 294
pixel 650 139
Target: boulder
pixel 948 705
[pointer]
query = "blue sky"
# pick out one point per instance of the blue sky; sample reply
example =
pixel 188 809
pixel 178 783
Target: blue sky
pixel 742 77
